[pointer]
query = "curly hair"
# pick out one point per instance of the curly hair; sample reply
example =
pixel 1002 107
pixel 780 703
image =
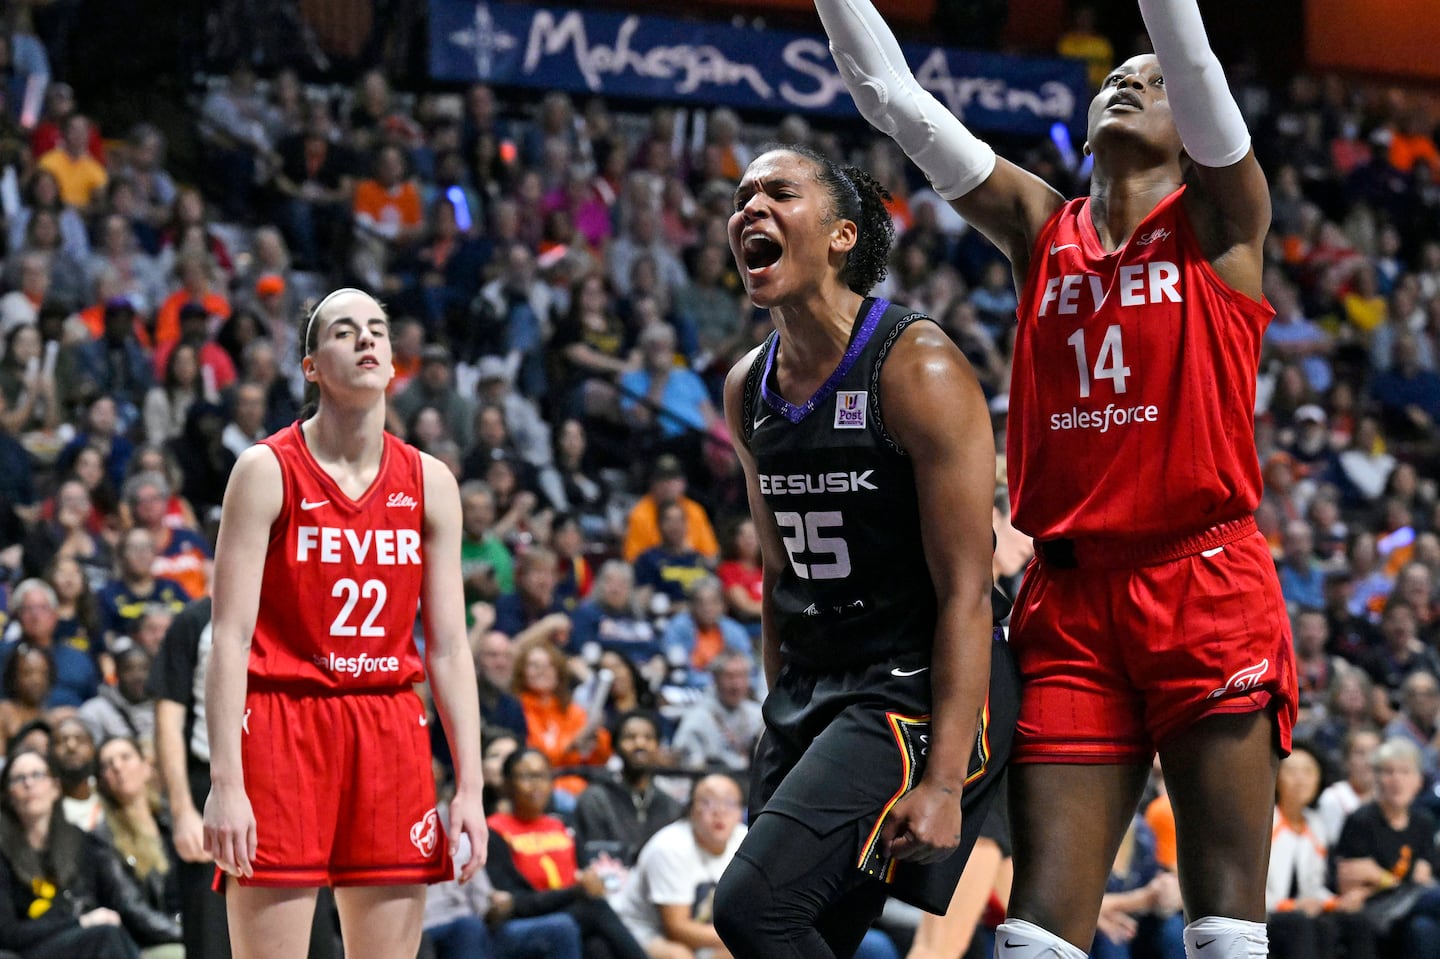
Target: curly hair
pixel 856 196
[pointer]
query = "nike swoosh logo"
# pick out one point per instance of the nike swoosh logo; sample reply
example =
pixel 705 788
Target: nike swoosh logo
pixel 902 673
pixel 1066 246
pixel 1213 552
pixel 309 506
pixel 424 721
pixel 1202 945
pixel 761 421
pixel 1013 945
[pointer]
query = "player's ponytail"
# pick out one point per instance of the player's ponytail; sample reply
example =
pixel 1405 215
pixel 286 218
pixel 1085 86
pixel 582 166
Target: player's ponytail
pixel 870 258
pixel 309 335
pixel 856 196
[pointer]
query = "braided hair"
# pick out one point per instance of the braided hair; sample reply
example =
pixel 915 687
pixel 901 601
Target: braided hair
pixel 856 196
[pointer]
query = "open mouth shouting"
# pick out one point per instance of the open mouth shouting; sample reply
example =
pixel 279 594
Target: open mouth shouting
pixel 760 251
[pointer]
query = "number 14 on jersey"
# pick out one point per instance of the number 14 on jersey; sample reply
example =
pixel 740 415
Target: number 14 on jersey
pixel 1109 363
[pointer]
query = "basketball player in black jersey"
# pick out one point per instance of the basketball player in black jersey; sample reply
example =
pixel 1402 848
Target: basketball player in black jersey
pixel 870 465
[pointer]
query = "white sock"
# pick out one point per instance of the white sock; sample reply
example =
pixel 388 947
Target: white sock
pixel 1018 939
pixel 1214 937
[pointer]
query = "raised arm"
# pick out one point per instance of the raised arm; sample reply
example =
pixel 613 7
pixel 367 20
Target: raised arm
pixel 1232 212
pixel 253 499
pixel 1002 201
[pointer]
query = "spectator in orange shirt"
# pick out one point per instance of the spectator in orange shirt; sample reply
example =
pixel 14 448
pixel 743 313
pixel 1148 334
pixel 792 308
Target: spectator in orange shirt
pixel 82 178
pixel 389 217
pixel 217 370
pixel 667 485
pixel 407 336
pixel 556 725
pixel 197 285
pixel 1160 817
pixel 180 554
pixel 1412 142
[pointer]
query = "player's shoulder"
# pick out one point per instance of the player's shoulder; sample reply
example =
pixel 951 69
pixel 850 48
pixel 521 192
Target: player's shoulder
pixel 256 462
pixel 257 483
pixel 740 371
pixel 921 355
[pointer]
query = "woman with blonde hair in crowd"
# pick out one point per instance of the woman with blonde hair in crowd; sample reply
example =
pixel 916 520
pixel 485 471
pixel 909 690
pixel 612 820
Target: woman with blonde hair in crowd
pixel 64 893
pixel 138 829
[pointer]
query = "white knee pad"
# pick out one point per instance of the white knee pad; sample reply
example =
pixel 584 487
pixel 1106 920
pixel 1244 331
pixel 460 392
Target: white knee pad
pixel 1018 939
pixel 1215 937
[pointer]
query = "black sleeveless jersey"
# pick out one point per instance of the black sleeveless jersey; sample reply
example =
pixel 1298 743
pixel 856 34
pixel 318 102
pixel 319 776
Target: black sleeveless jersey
pixel 856 589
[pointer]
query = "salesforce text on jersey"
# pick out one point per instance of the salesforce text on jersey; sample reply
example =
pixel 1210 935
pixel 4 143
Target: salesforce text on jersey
pixel 1112 415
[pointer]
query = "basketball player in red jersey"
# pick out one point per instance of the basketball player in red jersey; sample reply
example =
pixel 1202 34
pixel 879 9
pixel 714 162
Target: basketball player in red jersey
pixel 332 532
pixel 1151 618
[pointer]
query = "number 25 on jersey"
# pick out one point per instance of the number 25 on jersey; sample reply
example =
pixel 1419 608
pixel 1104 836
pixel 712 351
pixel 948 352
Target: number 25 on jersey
pixel 807 534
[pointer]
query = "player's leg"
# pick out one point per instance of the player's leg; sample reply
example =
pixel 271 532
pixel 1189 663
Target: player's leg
pixel 783 878
pixel 269 922
pixel 948 936
pixel 381 922
pixel 1220 773
pixel 844 925
pixel 659 948
pixel 1067 821
pixel 1222 698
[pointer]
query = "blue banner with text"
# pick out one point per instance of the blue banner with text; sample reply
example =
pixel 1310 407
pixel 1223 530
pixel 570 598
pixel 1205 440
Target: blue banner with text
pixel 607 53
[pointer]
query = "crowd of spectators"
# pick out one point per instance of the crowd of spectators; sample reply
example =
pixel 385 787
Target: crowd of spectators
pixel 564 307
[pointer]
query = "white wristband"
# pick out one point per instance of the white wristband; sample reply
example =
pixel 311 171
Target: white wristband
pixel 1206 114
pixel 888 96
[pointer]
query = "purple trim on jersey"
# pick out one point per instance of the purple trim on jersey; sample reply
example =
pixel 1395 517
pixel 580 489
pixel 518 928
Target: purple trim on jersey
pixel 795 413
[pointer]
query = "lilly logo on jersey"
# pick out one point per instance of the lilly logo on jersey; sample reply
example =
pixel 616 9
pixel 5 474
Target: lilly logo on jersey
pixel 392 547
pixel 850 409
pixel 1157 281
pixel 403 500
pixel 789 484
pixel 425 834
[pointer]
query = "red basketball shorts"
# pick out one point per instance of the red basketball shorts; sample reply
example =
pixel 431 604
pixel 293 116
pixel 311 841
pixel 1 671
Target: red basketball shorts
pixel 342 789
pixel 1115 660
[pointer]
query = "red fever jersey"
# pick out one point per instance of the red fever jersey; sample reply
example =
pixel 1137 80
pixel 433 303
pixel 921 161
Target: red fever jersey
pixel 1133 390
pixel 342 577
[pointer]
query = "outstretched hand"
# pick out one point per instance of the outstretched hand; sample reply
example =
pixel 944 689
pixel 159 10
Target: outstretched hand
pixel 924 826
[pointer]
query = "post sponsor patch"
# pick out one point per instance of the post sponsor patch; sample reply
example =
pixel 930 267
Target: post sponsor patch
pixel 850 409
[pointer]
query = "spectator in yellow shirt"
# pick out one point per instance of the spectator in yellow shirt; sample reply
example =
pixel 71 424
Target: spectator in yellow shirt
pixel 667 485
pixel 1083 42
pixel 81 177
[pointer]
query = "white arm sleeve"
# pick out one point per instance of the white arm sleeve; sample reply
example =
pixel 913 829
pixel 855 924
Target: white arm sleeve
pixel 874 71
pixel 1206 114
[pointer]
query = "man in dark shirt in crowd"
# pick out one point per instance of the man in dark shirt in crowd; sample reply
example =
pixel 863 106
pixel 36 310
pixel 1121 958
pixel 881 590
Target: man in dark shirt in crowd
pixel 617 816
